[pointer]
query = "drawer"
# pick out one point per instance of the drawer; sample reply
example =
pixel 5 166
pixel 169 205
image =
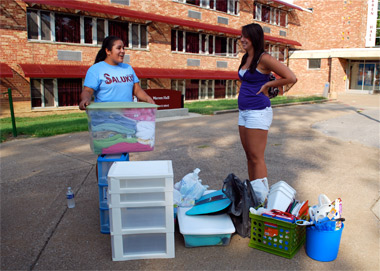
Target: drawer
pixel 141 219
pixel 138 199
pixel 120 185
pixel 142 246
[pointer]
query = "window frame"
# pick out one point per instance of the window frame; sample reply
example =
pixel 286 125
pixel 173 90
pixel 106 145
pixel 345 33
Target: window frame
pixel 274 15
pixel 209 41
pixel 232 6
pixel 143 40
pixel 206 88
pixel 55 92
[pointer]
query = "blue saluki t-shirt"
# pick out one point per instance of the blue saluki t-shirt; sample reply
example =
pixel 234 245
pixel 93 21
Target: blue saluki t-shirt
pixel 111 83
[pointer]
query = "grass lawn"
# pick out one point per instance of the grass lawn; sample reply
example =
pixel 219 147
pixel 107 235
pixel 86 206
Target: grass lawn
pixel 44 126
pixel 77 122
pixel 209 107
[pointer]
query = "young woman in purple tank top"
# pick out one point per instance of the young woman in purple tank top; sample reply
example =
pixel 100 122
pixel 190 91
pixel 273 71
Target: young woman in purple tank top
pixel 255 112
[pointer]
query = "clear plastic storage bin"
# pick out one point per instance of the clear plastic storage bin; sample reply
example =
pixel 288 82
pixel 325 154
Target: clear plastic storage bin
pixel 118 127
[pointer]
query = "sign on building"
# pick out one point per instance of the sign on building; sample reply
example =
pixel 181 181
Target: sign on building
pixel 370 37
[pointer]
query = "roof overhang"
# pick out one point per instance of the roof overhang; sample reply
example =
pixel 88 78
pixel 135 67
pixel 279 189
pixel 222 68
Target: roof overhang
pixel 53 71
pixel 5 70
pixel 347 53
pixel 65 71
pixel 286 5
pixel 124 12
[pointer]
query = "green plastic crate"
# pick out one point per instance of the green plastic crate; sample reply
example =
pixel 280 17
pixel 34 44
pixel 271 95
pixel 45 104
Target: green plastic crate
pixel 275 236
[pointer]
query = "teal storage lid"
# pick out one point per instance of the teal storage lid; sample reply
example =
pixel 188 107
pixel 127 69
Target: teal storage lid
pixel 117 105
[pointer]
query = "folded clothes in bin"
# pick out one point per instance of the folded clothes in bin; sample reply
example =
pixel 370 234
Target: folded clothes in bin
pixel 117 127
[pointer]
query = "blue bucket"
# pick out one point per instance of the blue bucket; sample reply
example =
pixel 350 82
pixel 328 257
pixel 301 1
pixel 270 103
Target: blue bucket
pixel 323 246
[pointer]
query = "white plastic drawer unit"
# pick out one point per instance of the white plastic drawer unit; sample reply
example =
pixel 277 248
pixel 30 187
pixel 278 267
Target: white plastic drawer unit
pixel 141 219
pixel 123 176
pixel 136 198
pixel 142 246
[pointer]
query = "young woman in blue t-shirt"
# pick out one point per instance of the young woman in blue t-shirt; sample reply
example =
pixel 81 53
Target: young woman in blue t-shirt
pixel 255 112
pixel 111 80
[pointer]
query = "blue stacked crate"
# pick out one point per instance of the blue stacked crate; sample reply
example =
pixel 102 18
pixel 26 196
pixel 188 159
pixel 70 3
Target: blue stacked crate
pixel 105 162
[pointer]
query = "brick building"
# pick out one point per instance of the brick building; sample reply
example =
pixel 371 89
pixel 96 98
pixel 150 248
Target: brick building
pixel 191 46
pixel 340 47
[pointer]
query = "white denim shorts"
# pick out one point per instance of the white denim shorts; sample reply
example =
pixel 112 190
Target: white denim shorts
pixel 256 119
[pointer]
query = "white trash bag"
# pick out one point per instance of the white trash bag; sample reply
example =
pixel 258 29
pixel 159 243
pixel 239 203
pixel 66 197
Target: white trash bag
pixel 191 188
pixel 261 189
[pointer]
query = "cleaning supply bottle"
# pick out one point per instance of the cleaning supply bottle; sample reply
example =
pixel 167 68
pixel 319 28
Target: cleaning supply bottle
pixel 70 198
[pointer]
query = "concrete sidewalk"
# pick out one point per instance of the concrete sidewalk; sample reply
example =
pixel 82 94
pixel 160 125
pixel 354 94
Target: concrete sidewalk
pixel 305 149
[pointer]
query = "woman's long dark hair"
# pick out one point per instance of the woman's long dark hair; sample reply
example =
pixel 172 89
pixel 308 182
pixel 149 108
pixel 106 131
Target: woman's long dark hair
pixel 107 44
pixel 255 34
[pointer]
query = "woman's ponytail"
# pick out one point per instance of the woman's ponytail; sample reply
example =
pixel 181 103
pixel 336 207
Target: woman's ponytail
pixel 107 44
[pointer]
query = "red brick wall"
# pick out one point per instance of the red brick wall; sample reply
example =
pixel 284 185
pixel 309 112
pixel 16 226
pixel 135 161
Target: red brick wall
pixel 309 82
pixel 332 24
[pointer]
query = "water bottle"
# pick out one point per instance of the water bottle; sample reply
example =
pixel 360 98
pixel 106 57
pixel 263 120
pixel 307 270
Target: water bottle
pixel 70 198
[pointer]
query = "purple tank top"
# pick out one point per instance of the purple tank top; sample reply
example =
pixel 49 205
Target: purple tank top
pixel 250 85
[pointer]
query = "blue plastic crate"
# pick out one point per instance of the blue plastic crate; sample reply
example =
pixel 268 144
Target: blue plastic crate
pixel 103 188
pixel 105 162
pixel 104 220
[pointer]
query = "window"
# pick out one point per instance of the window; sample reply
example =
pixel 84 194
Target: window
pixel 69 91
pixel 196 43
pixel 227 6
pixel 192 43
pixel 55 92
pixel 265 14
pixel 59 27
pixel 205 89
pixel 88 30
pixel 42 92
pixel 270 15
pixel 277 51
pixel 32 17
pixel 314 64
pixel 39 25
pixel 119 29
pixel 192 89
pixel 100 31
pixel 139 36
pixel 67 28
pixel 45 26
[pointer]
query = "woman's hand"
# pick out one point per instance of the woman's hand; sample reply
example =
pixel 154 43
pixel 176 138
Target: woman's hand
pixel 264 89
pixel 86 98
pixel 141 94
pixel 150 100
pixel 84 103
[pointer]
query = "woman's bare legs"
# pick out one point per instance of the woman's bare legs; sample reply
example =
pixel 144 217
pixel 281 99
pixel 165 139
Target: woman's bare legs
pixel 254 142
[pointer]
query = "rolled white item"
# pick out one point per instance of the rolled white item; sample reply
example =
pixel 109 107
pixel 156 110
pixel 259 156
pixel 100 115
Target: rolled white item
pixel 145 129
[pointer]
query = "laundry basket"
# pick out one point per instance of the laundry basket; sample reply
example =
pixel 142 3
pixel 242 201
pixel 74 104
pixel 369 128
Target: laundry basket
pixel 275 236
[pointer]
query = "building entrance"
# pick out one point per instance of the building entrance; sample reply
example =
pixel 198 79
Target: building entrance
pixel 364 76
